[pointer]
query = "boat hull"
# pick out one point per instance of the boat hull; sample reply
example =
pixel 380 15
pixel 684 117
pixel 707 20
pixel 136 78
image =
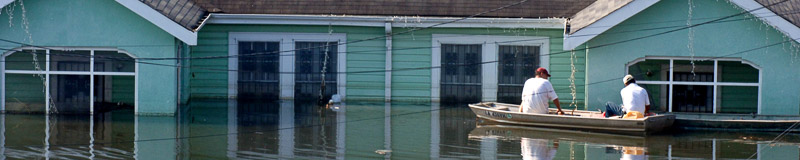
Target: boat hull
pixel 582 120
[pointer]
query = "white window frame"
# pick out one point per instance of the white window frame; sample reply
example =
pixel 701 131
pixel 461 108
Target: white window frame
pixel 91 73
pixel 716 84
pixel 287 41
pixel 489 52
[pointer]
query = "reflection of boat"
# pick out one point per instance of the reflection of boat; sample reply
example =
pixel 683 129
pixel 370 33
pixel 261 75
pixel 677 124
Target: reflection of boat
pixel 583 120
pixel 736 122
pixel 514 132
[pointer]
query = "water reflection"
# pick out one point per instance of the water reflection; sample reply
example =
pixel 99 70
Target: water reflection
pixel 214 129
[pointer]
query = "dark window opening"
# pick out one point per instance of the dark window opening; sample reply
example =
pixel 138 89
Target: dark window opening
pixel 310 58
pixel 461 73
pixel 258 71
pixel 516 65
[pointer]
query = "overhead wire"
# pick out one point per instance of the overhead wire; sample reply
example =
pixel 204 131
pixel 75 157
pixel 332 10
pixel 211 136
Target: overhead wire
pixel 602 45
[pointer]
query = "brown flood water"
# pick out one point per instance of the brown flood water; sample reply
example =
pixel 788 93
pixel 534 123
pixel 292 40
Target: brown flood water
pixel 286 130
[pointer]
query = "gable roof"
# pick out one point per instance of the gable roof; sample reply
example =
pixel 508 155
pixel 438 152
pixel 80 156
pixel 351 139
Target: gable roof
pixel 594 12
pixel 184 12
pixel 789 10
pixel 429 8
pixel 605 14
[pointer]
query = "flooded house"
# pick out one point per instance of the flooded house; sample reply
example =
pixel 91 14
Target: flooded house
pixel 246 69
pixel 153 55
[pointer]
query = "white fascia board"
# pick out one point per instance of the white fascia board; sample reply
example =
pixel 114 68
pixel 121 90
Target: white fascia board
pixel 766 15
pixel 3 3
pixel 379 21
pixel 589 32
pixel 161 21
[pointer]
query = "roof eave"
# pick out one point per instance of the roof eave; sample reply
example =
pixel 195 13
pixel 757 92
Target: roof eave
pixel 379 21
pixel 187 36
pixel 768 16
pixel 571 41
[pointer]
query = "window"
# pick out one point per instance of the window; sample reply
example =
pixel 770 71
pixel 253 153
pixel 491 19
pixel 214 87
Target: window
pixel 293 72
pixel 258 71
pixel 472 68
pixel 461 73
pixel 516 65
pixel 68 80
pixel 705 86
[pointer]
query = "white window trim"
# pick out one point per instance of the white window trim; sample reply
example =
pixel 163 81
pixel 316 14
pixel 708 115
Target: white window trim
pixel 286 41
pixel 47 74
pixel 489 52
pixel 715 83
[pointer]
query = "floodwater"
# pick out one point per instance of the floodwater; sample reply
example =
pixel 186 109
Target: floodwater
pixel 287 130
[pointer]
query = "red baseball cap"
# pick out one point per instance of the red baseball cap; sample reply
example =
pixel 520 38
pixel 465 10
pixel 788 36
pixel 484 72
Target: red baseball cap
pixel 542 70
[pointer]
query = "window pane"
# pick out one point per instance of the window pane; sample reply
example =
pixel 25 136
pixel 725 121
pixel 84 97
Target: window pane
pixel 309 61
pixel 23 60
pixel 258 71
pixel 70 93
pixel 112 61
pixel 735 71
pixel 25 93
pixel 650 70
pixel 692 98
pixel 659 97
pixel 461 73
pixel 69 60
pixel 516 65
pixel 738 99
pixel 701 71
pixel 113 92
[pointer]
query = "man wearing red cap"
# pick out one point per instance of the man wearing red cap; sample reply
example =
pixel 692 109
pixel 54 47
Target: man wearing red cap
pixel 536 94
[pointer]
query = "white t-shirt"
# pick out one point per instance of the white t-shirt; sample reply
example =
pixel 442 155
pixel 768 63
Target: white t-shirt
pixel 536 95
pixel 536 149
pixel 634 98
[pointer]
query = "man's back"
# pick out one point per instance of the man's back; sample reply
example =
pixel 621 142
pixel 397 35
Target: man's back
pixel 634 98
pixel 535 95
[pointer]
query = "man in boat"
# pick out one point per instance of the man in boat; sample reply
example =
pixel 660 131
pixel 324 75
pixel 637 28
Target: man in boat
pixel 536 94
pixel 635 101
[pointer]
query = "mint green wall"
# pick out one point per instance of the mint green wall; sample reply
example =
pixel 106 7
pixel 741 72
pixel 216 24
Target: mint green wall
pixel 407 85
pixel 101 23
pixel 414 85
pixel 779 92
pixel 361 56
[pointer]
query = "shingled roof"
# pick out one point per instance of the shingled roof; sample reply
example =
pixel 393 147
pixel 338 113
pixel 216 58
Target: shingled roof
pixel 789 10
pixel 190 13
pixel 184 12
pixel 594 12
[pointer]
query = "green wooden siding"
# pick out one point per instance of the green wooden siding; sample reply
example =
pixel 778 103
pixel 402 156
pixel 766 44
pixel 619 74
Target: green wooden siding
pixel 206 82
pixel 414 85
pixel 410 50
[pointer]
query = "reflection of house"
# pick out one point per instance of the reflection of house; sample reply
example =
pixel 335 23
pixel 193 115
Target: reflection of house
pixel 400 51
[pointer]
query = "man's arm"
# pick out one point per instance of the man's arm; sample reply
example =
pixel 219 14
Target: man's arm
pixel 646 109
pixel 558 105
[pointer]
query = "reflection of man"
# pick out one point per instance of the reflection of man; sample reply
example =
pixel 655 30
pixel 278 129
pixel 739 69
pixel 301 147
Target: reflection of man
pixel 635 101
pixel 538 149
pixel 633 153
pixel 536 94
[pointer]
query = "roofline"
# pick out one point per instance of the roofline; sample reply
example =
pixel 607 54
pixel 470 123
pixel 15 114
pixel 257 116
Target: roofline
pixel 604 24
pixel 379 21
pixel 770 18
pixel 161 21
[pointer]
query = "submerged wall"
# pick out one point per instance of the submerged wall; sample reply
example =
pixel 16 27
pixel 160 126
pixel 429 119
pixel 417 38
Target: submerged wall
pixel 410 50
pixel 737 37
pixel 99 24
